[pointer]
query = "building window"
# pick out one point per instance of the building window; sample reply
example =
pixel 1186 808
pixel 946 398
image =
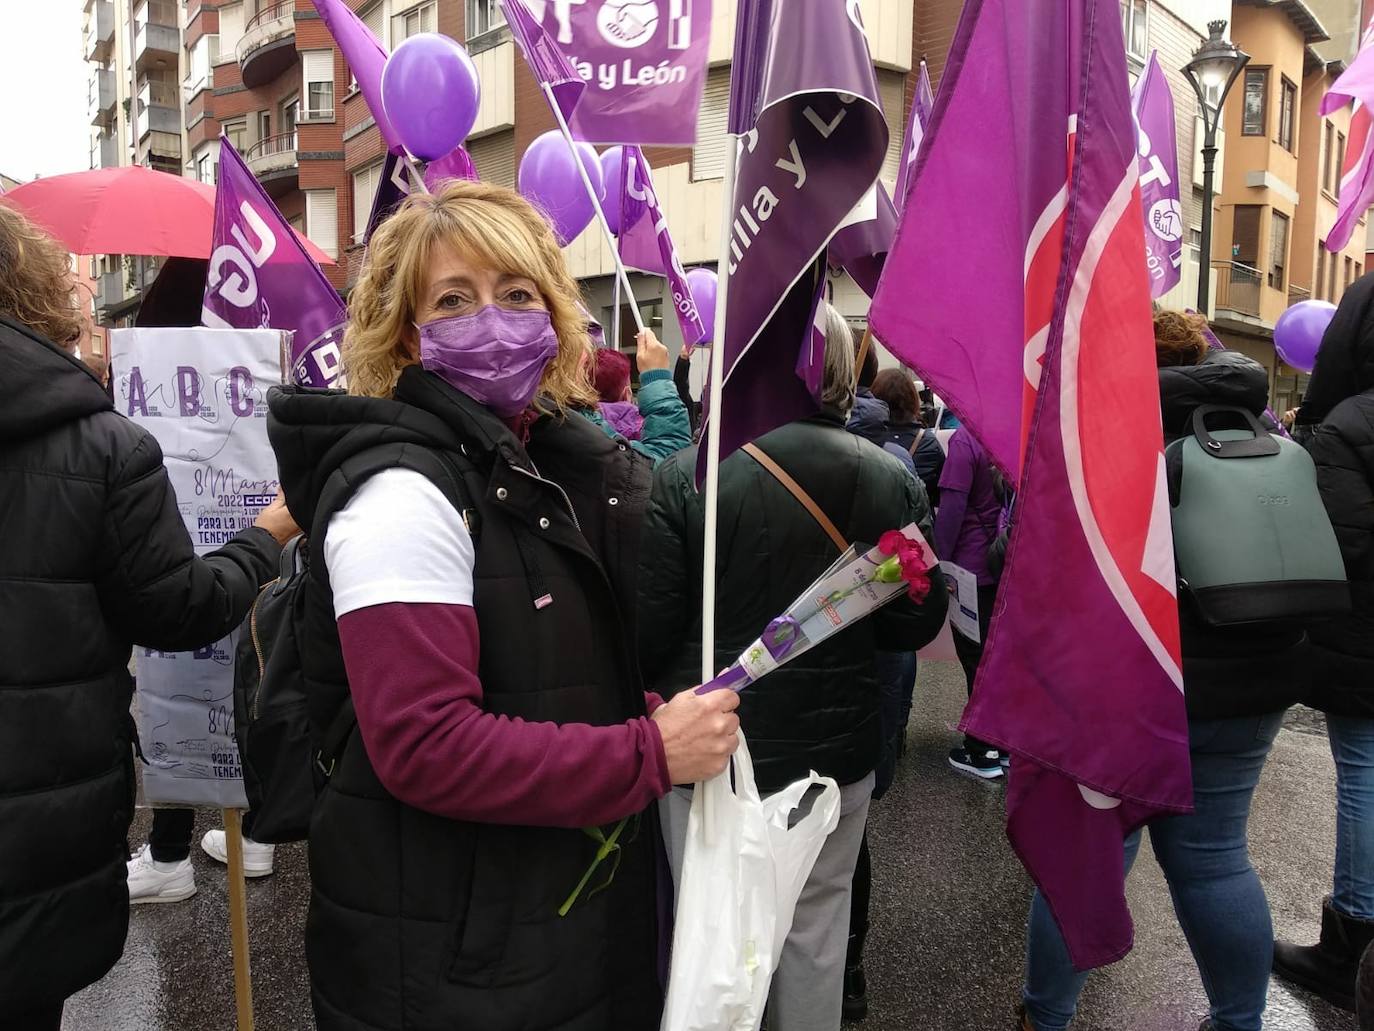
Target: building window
pixel 1254 115
pixel 708 156
pixel 1333 270
pixel 322 221
pixel 1278 251
pixel 200 59
pixel 1340 163
pixel 374 17
pixel 288 111
pixel 317 76
pixel 365 183
pixel 1319 285
pixel 1349 271
pixel 484 16
pixel 1328 157
pixel 207 168
pixel 1133 14
pixel 1359 269
pixel 264 124
pixel 1288 99
pixel 237 132
pixel 1245 235
pixel 412 22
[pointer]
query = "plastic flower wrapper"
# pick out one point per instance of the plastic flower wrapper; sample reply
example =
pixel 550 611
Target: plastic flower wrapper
pixel 853 587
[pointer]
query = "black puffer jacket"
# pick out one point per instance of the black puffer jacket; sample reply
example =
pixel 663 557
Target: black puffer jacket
pixel 928 455
pixel 93 557
pixel 819 711
pixel 431 924
pixel 1340 401
pixel 1232 671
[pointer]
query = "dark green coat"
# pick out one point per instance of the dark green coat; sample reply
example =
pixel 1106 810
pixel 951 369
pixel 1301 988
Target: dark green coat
pixel 819 711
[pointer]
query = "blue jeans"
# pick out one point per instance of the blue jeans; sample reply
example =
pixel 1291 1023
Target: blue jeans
pixel 1217 895
pixel 1352 746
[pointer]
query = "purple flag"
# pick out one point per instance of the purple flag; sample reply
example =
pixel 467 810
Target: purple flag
pixel 812 152
pixel 1021 297
pixel 365 56
pixel 1153 106
pixel 861 247
pixel 261 277
pixel 645 243
pixel 922 104
pixel 550 67
pixel 1355 85
pixel 643 62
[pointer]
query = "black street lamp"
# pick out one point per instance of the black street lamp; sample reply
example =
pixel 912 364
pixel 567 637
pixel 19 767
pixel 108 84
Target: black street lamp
pixel 1213 69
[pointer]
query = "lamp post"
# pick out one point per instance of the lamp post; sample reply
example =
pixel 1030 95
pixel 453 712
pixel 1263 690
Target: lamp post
pixel 1213 69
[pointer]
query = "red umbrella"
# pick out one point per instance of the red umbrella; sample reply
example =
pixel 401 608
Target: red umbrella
pixel 126 210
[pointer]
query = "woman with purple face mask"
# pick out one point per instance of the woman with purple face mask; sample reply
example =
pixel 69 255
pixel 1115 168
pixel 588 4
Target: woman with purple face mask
pixel 483 851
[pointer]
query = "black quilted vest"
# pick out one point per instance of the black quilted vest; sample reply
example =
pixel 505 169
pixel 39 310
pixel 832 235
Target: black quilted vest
pixel 421 922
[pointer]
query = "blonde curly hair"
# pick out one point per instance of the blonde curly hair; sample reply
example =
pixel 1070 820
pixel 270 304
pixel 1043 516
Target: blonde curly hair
pixel 37 289
pixel 491 226
pixel 1179 338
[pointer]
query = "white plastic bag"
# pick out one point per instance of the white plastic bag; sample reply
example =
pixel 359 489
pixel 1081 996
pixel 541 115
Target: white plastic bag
pixel 739 890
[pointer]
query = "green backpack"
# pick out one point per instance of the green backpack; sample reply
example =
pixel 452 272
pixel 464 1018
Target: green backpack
pixel 1252 540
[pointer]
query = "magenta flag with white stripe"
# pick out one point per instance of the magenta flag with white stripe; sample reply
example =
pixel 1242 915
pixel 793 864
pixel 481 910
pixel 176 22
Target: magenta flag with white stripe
pixel 1016 287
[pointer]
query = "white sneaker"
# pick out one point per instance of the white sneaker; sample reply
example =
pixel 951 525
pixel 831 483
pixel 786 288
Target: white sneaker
pixel 151 881
pixel 257 857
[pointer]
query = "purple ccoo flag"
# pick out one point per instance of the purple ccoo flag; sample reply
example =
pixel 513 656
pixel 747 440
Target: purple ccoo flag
pixel 922 104
pixel 643 61
pixel 645 243
pixel 1020 296
pixel 1153 106
pixel 813 143
pixel 548 63
pixel 261 277
pixel 365 56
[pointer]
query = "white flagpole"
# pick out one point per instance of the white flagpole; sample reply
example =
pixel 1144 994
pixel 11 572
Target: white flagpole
pixel 615 319
pixel 596 205
pixel 712 484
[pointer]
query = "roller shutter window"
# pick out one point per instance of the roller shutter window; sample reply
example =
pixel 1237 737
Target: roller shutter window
pixel 494 158
pixel 708 156
pixel 322 220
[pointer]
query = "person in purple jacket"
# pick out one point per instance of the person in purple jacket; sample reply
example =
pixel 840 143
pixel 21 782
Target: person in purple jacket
pixel 966 524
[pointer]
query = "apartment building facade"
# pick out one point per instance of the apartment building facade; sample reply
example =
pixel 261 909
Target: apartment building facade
pixel 1277 195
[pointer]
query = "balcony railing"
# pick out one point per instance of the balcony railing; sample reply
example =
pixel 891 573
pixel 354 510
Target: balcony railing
pixel 1238 287
pixel 1298 293
pixel 273 161
pixel 100 97
pixel 264 50
pixel 282 143
pixel 99 31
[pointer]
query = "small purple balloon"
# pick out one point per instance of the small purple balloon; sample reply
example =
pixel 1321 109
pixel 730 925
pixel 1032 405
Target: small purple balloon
pixel 612 168
pixel 431 92
pixel 549 181
pixel 456 164
pixel 1298 332
pixel 702 283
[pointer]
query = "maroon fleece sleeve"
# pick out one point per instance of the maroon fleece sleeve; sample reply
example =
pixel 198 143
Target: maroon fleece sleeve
pixel 412 673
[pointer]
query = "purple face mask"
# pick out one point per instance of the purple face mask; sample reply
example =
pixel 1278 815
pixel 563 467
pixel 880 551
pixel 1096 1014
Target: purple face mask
pixel 495 356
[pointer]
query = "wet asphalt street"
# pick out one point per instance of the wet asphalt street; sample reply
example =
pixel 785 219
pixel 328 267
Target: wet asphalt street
pixel 949 908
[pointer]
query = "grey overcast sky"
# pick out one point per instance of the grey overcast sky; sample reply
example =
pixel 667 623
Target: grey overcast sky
pixel 44 127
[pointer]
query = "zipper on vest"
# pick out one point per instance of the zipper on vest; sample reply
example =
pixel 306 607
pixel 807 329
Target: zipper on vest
pixel 561 492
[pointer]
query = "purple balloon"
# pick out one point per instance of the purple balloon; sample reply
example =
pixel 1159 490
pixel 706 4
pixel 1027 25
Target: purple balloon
pixel 612 168
pixel 549 181
pixel 1298 332
pixel 456 164
pixel 431 93
pixel 702 283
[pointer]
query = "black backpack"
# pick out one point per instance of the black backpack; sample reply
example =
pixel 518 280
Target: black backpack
pixel 283 764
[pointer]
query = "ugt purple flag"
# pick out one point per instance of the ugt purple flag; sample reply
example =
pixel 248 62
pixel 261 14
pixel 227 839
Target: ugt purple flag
pixel 1153 105
pixel 366 58
pixel 1356 85
pixel 921 106
pixel 261 276
pixel 1030 178
pixel 644 63
pixel 645 242
pixel 547 61
pixel 805 99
